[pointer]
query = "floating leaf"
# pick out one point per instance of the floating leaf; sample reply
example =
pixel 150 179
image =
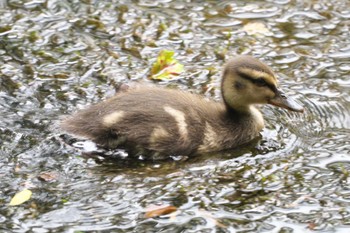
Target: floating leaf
pixel 256 28
pixel 47 176
pixel 298 201
pixel 312 226
pixel 166 66
pixel 159 210
pixel 21 197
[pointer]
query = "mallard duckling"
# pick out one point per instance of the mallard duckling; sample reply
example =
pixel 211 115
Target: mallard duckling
pixel 173 122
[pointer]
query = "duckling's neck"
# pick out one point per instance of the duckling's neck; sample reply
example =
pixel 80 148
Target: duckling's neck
pixel 258 117
pixel 246 112
pixel 238 109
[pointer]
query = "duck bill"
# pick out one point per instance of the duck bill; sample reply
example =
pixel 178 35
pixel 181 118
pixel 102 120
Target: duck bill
pixel 283 101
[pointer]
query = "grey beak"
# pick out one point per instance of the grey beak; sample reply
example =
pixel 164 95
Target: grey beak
pixel 283 101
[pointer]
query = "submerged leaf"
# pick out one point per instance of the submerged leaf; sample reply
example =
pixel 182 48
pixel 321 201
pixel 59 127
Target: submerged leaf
pixel 166 66
pixel 210 217
pixel 159 210
pixel 21 197
pixel 256 28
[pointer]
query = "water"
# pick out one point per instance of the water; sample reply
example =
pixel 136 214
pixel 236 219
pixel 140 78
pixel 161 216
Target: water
pixel 58 56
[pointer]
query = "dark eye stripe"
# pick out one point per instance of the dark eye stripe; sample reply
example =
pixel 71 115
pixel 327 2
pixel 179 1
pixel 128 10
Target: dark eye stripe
pixel 255 81
pixel 260 82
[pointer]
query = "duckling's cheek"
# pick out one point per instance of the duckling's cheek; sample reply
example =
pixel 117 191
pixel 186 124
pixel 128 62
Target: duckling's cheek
pixel 113 118
pixel 239 86
pixel 180 119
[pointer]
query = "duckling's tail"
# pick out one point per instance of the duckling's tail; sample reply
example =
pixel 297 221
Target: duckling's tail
pixel 84 125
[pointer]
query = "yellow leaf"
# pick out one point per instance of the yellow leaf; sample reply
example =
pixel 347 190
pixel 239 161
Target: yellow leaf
pixel 166 66
pixel 21 197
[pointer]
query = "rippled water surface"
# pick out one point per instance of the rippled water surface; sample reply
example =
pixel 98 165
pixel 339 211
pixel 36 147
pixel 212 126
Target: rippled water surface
pixel 58 56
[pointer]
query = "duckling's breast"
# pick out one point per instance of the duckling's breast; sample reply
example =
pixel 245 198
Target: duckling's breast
pixel 231 131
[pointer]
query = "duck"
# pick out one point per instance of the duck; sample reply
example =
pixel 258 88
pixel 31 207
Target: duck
pixel 162 121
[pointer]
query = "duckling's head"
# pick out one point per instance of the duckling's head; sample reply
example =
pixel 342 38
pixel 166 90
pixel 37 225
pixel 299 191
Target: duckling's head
pixel 247 81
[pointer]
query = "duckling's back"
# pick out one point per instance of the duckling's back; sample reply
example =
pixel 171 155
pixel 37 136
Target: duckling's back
pixel 159 120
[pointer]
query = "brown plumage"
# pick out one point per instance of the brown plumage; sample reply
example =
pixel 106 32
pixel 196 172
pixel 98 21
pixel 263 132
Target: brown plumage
pixel 172 122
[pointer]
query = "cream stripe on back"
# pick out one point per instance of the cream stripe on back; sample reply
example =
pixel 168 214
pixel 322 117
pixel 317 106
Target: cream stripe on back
pixel 113 118
pixel 211 140
pixel 180 120
pixel 157 134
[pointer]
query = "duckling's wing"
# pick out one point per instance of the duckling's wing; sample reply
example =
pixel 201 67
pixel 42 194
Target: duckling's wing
pixel 162 120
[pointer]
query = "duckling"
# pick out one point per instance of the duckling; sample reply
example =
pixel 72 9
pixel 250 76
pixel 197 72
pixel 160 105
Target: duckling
pixel 173 122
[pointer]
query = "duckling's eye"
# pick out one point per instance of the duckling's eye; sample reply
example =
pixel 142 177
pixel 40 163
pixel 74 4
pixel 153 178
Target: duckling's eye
pixel 260 82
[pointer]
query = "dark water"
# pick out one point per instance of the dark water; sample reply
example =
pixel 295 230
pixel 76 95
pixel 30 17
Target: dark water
pixel 58 56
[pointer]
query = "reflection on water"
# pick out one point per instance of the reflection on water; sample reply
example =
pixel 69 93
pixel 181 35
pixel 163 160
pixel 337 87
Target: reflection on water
pixel 57 56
